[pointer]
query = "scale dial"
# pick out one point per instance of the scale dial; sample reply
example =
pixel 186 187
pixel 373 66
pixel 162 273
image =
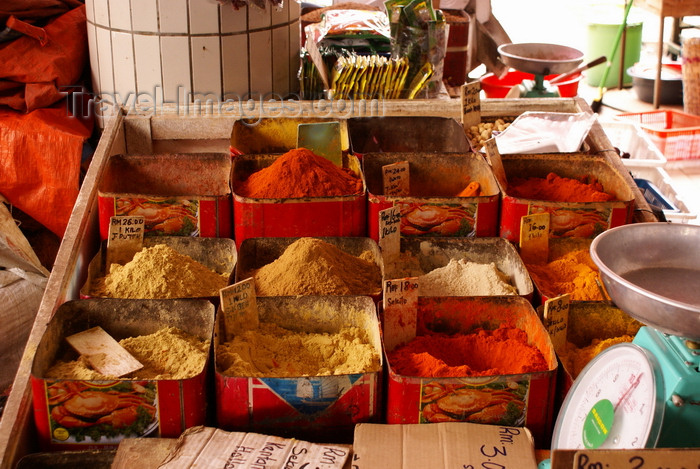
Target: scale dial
pixel 615 403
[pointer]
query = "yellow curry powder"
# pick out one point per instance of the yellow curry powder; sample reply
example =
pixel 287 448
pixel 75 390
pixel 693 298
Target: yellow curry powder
pixel 168 353
pixel 573 273
pixel 159 272
pixel 575 359
pixel 274 352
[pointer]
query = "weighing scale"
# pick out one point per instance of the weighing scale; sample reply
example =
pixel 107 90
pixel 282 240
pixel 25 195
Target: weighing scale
pixel 539 59
pixel 643 394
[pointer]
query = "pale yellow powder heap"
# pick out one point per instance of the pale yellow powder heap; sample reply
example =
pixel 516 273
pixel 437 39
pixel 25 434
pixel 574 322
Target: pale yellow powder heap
pixel 310 266
pixel 159 272
pixel 169 353
pixel 275 352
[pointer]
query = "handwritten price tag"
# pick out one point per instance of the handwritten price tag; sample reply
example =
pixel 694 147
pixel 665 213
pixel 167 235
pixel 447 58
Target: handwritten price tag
pixel 534 238
pixel 556 319
pixel 390 233
pixel 496 162
pixel 471 104
pixel 239 307
pixel 665 458
pixel 400 311
pixel 396 178
pixel 125 238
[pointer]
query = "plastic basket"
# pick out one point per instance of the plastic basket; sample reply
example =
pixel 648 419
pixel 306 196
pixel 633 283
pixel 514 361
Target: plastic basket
pixel 675 133
pixel 630 139
pixel 663 185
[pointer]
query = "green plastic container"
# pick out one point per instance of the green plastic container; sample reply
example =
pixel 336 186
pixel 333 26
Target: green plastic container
pixel 600 42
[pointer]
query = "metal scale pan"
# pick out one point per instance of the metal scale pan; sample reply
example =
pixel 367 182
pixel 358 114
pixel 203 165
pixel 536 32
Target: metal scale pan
pixel 643 394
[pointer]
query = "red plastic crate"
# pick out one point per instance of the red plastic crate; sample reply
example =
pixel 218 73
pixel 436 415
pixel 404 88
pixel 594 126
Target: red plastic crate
pixel 677 134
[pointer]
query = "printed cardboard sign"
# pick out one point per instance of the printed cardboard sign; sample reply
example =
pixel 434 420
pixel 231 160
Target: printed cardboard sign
pixel 239 307
pixel 400 311
pixel 534 238
pixel 396 179
pixel 125 238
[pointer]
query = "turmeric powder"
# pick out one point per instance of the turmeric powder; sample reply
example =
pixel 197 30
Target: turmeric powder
pixel 573 273
pixel 575 359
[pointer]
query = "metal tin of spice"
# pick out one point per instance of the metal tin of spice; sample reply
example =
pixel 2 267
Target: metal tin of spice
pixel 325 407
pixel 84 414
pixel 568 219
pixel 432 207
pixel 177 194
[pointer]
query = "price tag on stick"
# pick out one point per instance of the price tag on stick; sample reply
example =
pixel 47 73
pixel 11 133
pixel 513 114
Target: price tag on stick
pixel 239 307
pixel 494 158
pixel 396 178
pixel 471 104
pixel 104 354
pixel 125 239
pixel 390 234
pixel 534 238
pixel 556 319
pixel 400 311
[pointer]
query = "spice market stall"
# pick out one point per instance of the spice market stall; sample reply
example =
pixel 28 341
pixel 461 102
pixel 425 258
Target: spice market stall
pixel 175 131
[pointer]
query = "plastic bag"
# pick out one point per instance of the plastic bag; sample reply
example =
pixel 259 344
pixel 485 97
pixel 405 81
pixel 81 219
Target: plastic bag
pixel 35 66
pixel 40 156
pixel 545 132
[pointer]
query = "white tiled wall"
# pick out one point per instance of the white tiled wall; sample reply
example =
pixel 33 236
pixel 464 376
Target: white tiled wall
pixel 189 47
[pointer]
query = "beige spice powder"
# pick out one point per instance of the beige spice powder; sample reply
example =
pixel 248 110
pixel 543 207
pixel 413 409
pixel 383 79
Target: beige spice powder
pixel 272 351
pixel 159 272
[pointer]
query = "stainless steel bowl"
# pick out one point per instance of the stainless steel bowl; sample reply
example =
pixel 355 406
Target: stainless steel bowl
pixel 540 58
pixel 652 272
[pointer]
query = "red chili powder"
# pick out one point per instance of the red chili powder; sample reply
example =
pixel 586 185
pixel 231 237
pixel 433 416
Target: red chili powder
pixel 300 173
pixel 558 189
pixel 503 351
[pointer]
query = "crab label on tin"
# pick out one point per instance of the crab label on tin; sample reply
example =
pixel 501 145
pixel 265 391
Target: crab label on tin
pixel 125 238
pixel 390 233
pixel 239 306
pixel 400 311
pixel 396 179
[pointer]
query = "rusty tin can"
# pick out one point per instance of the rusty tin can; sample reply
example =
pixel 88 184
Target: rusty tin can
pixel 162 408
pixel 177 194
pixel 397 134
pixel 568 219
pixel 434 253
pixel 522 399
pixel 217 254
pixel 308 407
pixel 291 217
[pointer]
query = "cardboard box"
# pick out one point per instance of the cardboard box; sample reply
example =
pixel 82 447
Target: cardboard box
pixel 568 219
pixel 442 445
pixel 174 404
pixel 177 194
pixel 432 208
pixel 295 217
pixel 320 408
pixel 415 399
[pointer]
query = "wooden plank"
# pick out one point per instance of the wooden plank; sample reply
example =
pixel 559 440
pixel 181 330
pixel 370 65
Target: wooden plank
pixel 16 432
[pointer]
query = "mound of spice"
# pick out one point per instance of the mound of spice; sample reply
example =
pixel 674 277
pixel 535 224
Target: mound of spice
pixel 573 273
pixel 559 189
pixel 501 351
pixel 311 266
pixel 168 353
pixel 300 173
pixel 272 351
pixel 464 278
pixel 159 272
pixel 575 359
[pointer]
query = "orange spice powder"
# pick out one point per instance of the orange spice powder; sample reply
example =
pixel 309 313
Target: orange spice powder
pixel 555 188
pixel 300 173
pixel 502 351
